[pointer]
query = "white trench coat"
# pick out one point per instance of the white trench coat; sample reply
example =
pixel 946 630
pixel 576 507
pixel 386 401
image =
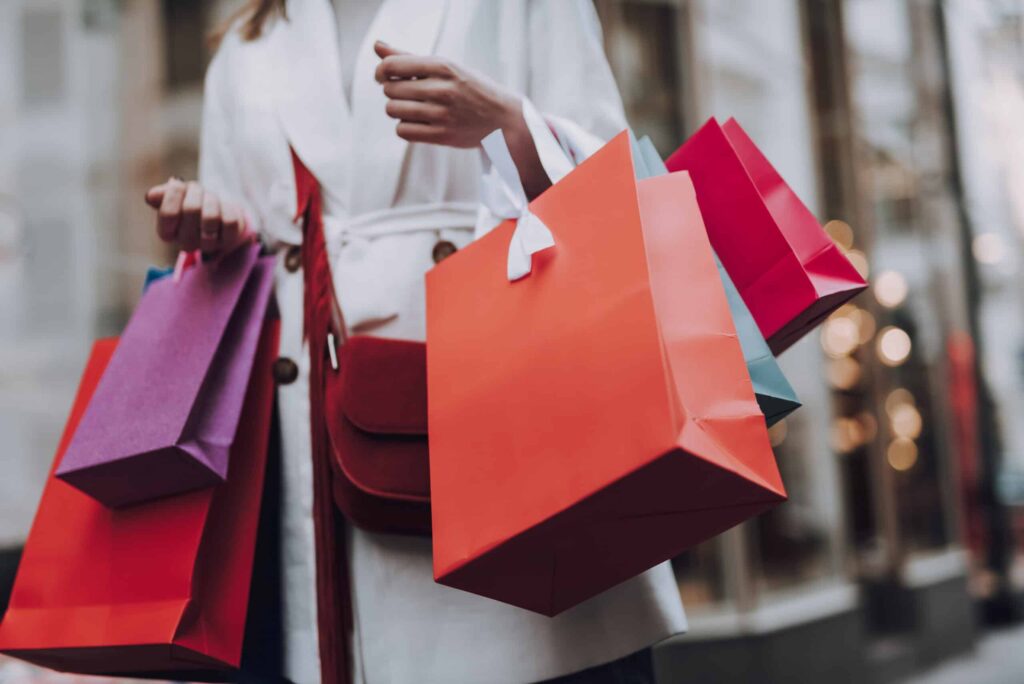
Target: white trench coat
pixel 387 203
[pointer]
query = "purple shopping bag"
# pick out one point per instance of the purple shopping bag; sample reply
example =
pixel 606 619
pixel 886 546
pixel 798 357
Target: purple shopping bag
pixel 164 414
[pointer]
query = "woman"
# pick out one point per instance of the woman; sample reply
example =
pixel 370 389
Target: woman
pixel 391 135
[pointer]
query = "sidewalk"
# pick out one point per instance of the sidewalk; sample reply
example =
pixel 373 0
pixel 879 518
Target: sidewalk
pixel 999 659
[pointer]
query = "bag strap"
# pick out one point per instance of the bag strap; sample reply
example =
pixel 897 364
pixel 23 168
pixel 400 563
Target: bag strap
pixel 315 264
pixel 504 197
pixel 324 328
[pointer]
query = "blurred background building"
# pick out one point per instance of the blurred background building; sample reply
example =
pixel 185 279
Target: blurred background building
pixel 901 124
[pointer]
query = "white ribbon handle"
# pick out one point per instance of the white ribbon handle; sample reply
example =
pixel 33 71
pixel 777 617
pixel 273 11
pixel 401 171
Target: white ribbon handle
pixel 504 196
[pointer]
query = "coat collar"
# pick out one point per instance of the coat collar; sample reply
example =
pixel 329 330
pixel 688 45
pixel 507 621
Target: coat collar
pixel 355 153
pixel 310 101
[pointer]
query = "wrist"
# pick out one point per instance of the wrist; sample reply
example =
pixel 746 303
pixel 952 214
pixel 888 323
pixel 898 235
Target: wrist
pixel 511 120
pixel 524 152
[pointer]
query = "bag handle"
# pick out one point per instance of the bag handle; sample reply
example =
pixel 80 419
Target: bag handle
pixel 504 196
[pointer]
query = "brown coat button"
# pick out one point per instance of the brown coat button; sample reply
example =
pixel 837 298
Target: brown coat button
pixel 443 250
pixel 285 371
pixel 293 259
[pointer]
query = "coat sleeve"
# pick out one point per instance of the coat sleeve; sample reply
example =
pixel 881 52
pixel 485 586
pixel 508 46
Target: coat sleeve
pixel 571 103
pixel 218 164
pixel 569 80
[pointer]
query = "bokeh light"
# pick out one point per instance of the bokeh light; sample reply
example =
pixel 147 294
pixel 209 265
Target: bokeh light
pixel 847 434
pixel 840 232
pixel 906 421
pixel 844 373
pixel 890 288
pixel 893 346
pixel 988 248
pixel 868 424
pixel 859 261
pixel 777 433
pixel 840 336
pixel 896 398
pixel 901 454
pixel 865 324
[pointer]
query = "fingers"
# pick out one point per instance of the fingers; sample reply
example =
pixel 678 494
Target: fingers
pixel 424 90
pixel 407 90
pixel 210 224
pixel 169 214
pixel 419 92
pixel 155 195
pixel 411 66
pixel 191 211
pixel 197 219
pixel 419 132
pixel 232 226
pixel 422 112
pixel 384 50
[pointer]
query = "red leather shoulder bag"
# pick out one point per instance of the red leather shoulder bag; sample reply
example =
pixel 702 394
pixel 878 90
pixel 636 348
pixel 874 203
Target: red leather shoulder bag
pixel 373 395
pixel 368 430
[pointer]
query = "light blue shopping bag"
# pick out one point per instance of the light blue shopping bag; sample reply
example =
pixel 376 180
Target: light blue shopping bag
pixel 774 394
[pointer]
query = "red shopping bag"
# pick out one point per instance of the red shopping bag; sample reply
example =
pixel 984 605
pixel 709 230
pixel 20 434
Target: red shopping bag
pixel 158 587
pixel 596 417
pixel 789 272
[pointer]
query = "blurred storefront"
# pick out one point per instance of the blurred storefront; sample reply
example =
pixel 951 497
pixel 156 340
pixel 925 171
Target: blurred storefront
pixel 99 100
pixel 986 58
pixel 913 333
pixel 757 593
pixel 896 466
pixel 899 123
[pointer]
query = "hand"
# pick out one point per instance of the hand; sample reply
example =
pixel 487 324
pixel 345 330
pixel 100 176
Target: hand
pixel 436 101
pixel 195 218
pixel 442 103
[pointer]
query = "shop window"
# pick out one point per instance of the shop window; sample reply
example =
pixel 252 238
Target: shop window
pixel 750 65
pixel 100 15
pixel 44 78
pixel 677 63
pixel 701 576
pixel 792 543
pixel 643 44
pixel 886 355
pixel 46 307
pixel 185 47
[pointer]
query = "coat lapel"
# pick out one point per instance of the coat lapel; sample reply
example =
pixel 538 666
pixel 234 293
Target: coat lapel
pixel 377 154
pixel 311 106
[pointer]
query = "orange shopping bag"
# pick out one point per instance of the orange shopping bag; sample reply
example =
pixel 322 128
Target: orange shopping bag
pixel 596 417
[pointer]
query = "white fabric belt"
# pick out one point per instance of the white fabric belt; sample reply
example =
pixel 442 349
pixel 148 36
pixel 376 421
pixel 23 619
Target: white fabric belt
pixel 398 220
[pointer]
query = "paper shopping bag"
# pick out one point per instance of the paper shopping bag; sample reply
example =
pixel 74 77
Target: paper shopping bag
pixel 595 417
pixel 158 587
pixel 774 394
pixel 788 270
pixel 165 412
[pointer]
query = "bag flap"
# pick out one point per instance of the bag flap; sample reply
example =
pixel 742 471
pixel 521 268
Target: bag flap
pixel 383 385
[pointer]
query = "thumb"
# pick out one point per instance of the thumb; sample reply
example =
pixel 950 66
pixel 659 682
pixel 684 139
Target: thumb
pixel 384 50
pixel 155 195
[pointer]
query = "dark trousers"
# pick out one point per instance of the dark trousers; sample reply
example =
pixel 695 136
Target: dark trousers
pixel 637 668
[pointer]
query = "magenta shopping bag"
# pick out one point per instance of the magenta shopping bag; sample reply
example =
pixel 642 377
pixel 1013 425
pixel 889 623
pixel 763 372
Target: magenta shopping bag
pixel 164 414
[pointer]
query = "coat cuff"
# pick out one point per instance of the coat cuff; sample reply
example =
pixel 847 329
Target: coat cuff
pixel 561 144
